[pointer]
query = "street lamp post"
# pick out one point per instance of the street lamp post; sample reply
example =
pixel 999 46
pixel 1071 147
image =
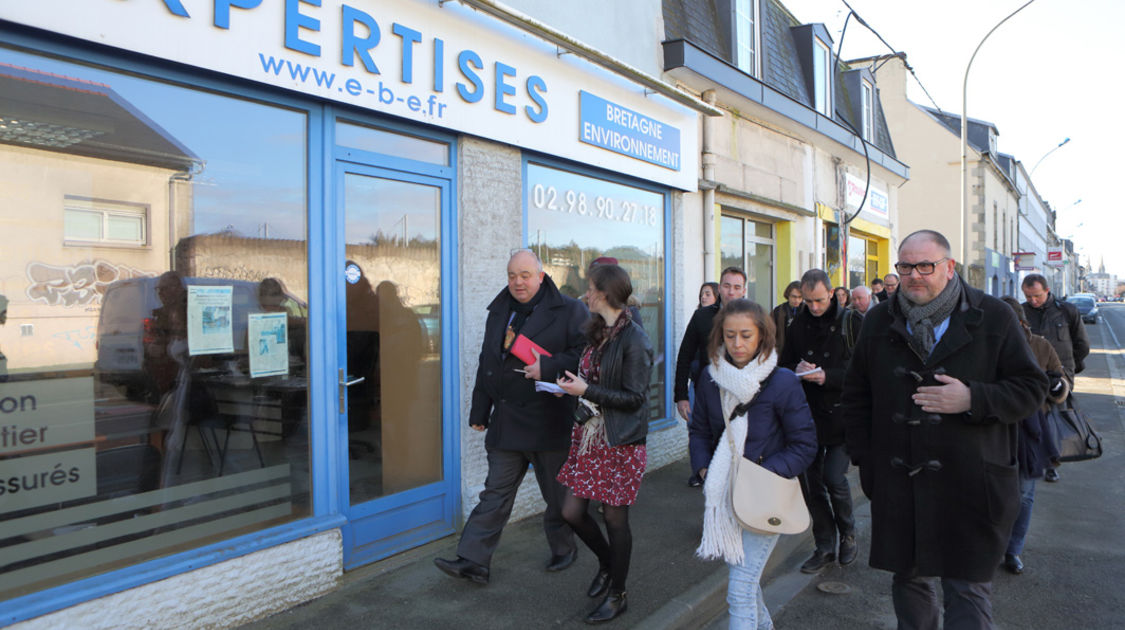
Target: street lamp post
pixel 1060 145
pixel 965 141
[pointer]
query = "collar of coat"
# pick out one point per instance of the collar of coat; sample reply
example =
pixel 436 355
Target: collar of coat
pixel 551 298
pixel 966 317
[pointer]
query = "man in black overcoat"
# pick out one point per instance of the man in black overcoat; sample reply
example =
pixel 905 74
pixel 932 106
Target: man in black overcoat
pixel 816 348
pixel 524 426
pixel 940 377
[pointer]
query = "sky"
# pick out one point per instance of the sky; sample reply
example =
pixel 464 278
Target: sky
pixel 1045 75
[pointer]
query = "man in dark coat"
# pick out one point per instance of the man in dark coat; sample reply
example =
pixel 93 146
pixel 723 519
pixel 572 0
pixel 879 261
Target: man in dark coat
pixel 524 426
pixel 693 348
pixel 1060 324
pixel 692 357
pixel 815 346
pixel 890 285
pixel 939 379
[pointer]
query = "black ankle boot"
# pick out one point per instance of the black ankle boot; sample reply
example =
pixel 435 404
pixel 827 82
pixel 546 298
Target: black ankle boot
pixel 599 585
pixel 613 605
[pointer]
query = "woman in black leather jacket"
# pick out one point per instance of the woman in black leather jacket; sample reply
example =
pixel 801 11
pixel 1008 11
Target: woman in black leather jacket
pixel 607 450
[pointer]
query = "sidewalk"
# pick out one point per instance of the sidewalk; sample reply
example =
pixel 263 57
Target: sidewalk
pixel 668 586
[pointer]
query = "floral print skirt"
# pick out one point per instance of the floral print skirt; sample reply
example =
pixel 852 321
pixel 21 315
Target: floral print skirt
pixel 610 474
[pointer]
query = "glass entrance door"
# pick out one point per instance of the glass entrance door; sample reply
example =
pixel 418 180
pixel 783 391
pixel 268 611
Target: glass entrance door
pixel 398 492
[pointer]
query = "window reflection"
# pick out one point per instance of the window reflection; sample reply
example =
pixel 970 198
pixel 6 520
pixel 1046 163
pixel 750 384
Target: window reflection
pixel 573 219
pixel 155 289
pixel 393 291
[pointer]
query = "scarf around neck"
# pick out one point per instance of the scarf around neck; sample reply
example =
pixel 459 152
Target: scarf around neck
pixel 923 318
pixel 722 535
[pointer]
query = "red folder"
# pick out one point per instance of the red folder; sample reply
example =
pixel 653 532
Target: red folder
pixel 522 348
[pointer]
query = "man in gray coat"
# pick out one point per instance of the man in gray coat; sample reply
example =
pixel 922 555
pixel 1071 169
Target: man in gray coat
pixel 939 380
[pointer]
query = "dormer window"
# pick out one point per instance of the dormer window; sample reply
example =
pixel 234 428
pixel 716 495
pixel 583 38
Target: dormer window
pixel 746 36
pixel 868 95
pixel 991 143
pixel 822 77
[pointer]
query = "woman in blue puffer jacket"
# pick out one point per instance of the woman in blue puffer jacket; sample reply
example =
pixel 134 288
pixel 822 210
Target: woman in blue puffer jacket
pixel 777 432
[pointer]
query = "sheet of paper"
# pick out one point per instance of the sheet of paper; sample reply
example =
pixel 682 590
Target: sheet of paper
pixel 268 344
pixel 210 329
pixel 544 386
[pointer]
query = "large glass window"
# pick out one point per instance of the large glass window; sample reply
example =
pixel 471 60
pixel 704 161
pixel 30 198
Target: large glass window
pixel 154 385
pixel 748 245
pixel 573 219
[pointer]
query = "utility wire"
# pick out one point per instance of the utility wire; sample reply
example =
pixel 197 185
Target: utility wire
pixel 895 53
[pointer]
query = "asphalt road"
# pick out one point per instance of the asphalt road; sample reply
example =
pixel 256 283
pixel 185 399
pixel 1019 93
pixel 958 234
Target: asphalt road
pixel 1075 551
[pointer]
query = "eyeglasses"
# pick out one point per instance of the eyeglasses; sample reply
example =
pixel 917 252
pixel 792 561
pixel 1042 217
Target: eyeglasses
pixel 924 268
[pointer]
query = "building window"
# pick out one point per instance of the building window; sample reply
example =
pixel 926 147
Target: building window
pixel 105 222
pixel 164 388
pixel 748 245
pixel 746 36
pixel 822 77
pixel 574 218
pixel 868 111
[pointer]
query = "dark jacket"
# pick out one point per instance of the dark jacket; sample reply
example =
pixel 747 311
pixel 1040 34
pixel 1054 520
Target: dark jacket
pixel 693 348
pixel 1059 323
pixel 780 435
pixel 944 489
pixel 622 388
pixel 782 316
pixel 820 340
pixel 519 418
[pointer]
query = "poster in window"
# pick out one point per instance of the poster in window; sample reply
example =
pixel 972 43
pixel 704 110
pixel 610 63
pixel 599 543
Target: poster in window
pixel 210 329
pixel 268 344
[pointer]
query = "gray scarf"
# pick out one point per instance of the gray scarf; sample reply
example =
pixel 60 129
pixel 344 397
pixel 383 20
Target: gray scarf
pixel 924 317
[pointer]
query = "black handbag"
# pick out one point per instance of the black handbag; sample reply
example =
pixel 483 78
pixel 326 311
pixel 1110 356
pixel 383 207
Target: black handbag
pixel 1072 432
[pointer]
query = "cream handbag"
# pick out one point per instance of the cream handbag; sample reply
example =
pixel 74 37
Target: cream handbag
pixel 763 501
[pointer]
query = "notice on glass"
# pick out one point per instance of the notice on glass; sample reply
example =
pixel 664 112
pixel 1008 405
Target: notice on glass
pixel 268 344
pixel 210 329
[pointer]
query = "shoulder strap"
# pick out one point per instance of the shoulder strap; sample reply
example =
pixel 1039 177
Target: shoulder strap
pixel 738 411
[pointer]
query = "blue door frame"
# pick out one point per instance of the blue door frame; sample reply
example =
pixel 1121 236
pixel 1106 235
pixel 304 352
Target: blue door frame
pixel 390 524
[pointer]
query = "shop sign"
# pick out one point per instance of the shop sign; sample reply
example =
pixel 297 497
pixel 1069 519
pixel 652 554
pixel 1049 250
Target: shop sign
pixel 1024 261
pixel 1054 256
pixel 611 126
pixel 878 203
pixel 45 413
pixel 443 64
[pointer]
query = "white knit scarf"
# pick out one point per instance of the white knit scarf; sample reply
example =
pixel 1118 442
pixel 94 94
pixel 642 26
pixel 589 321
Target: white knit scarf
pixel 722 535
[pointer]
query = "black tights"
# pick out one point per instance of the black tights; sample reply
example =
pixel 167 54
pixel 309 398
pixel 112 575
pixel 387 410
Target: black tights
pixel 612 555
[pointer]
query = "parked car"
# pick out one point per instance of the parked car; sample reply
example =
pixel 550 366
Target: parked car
pixel 1086 306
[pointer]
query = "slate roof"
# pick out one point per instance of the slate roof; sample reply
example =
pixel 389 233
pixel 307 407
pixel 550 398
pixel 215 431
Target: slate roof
pixel 978 129
pixel 706 24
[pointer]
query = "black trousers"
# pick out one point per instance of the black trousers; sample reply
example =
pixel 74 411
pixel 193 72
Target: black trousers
pixel 828 496
pixel 506 470
pixel 968 605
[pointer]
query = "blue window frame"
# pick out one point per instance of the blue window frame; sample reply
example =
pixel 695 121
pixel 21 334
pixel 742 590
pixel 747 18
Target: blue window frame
pixel 325 438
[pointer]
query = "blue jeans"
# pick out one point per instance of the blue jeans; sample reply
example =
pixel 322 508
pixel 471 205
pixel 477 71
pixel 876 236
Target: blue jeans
pixel 1023 521
pixel 744 589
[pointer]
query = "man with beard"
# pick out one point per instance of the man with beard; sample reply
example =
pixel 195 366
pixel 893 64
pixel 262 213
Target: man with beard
pixel 939 380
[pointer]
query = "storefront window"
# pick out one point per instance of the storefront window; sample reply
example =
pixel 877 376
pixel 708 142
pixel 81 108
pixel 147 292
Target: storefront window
pixel 748 245
pixel 154 379
pixel 573 219
pixel 857 261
